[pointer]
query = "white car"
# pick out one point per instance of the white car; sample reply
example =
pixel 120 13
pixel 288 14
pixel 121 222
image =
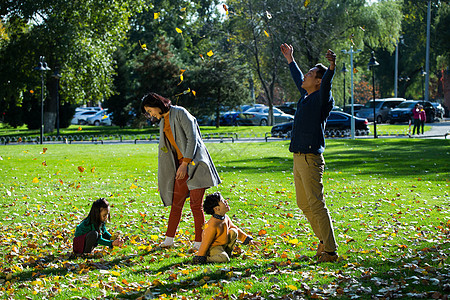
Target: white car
pixel 80 117
pixel 101 117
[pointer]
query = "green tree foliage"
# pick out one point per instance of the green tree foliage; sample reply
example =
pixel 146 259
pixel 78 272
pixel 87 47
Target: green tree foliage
pixel 77 37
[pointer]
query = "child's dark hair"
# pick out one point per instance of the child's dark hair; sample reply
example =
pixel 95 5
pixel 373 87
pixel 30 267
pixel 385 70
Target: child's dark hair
pixel 94 214
pixel 155 100
pixel 211 201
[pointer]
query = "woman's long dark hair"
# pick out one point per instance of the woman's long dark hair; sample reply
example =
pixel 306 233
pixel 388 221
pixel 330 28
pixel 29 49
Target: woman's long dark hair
pixel 155 100
pixel 94 214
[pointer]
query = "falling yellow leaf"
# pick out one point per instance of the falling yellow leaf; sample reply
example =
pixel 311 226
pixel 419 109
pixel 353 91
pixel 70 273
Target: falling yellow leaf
pixel 35 180
pixel 31 92
pixel 81 169
pixel 179 30
pixel 44 163
pixel 210 53
pixel 143 46
pixel 183 9
pixel 44 150
pixel 355 70
pixel 307 2
pixel 133 186
pixel 156 15
pixel 266 33
pixel 193 93
pixel 60 181
pixel 79 128
pixel 92 169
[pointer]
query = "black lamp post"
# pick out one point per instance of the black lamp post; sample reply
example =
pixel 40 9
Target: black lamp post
pixel 344 70
pixel 57 77
pixel 373 63
pixel 42 67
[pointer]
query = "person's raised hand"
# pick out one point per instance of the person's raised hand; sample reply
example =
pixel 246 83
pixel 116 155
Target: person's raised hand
pixel 331 56
pixel 288 52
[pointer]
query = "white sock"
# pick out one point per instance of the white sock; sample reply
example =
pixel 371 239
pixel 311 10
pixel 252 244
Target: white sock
pixel 168 241
pixel 197 245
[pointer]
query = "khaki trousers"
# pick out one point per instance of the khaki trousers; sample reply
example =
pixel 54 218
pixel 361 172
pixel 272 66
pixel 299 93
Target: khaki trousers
pixel 308 173
pixel 222 253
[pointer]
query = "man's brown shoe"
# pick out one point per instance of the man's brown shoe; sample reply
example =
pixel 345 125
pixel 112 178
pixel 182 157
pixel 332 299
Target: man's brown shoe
pixel 320 249
pixel 325 257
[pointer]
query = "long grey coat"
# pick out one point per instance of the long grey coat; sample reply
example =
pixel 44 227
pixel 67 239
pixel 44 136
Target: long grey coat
pixel 202 174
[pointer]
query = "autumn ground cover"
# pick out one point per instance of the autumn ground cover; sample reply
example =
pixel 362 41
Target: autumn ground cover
pixel 389 200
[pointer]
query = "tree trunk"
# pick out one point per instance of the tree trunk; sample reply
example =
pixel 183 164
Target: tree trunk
pixel 50 106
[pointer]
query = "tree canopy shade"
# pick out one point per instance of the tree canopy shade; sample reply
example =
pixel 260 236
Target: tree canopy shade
pixel 78 37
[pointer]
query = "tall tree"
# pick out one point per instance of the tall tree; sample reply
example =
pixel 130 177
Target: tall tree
pixel 77 37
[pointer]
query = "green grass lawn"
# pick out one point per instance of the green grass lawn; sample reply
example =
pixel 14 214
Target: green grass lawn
pixel 240 131
pixel 389 199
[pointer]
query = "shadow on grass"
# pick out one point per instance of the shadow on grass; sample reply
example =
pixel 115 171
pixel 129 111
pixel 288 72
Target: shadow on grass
pixel 387 158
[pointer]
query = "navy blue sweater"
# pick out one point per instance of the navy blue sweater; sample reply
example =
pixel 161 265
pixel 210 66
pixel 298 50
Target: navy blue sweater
pixel 311 115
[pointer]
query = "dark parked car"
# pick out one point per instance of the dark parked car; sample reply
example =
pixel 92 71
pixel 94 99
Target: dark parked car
pixel 341 121
pixel 403 112
pixel 287 109
pixel 337 122
pixel 356 107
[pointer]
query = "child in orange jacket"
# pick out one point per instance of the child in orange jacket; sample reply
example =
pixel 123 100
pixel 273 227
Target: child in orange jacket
pixel 219 233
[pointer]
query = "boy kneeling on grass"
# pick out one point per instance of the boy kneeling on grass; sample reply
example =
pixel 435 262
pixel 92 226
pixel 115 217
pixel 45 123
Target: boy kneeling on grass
pixel 219 233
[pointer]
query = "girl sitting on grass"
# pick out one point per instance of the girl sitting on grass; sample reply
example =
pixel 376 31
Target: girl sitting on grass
pixel 92 230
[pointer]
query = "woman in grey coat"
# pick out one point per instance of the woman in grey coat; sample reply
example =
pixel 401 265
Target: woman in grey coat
pixel 185 168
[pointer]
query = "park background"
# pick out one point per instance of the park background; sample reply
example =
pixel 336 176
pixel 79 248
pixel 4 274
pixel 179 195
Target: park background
pixel 210 56
pixel 389 197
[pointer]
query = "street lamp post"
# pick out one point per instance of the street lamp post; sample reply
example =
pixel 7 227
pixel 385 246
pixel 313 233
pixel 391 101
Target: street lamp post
pixel 373 63
pixel 344 70
pixel 352 122
pixel 57 77
pixel 423 73
pixel 42 67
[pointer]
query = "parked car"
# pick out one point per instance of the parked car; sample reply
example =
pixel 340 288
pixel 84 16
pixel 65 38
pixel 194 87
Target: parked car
pixel 282 130
pixel 439 110
pixel 403 112
pixel 341 121
pixel 356 108
pixel 101 117
pixel 259 115
pixel 382 108
pixel 229 118
pixel 287 109
pixel 94 108
pixel 79 118
pixel 337 121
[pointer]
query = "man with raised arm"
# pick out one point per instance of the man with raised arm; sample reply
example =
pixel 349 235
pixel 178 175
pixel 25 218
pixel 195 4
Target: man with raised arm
pixel 308 145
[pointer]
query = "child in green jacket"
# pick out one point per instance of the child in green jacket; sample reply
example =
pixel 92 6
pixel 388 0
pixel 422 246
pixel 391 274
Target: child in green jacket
pixel 92 230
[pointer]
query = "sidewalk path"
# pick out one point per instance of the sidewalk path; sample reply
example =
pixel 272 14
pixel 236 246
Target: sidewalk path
pixel 438 130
